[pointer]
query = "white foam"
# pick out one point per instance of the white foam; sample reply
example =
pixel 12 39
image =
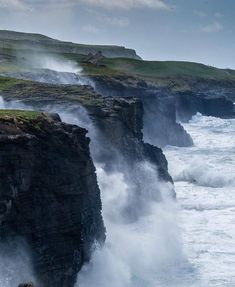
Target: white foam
pixel 204 184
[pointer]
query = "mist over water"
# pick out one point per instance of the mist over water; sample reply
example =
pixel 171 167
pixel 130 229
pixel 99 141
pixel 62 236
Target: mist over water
pixel 50 68
pixel 15 264
pixel 204 178
pixel 143 252
pixel 153 250
pixel 140 253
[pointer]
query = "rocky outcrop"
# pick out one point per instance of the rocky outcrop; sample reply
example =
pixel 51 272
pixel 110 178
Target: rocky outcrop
pixel 48 193
pixel 188 104
pixel 118 120
pixel 120 127
pixel 160 125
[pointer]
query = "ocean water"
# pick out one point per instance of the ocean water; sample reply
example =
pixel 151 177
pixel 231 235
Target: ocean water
pixel 175 244
pixel 190 243
pixel 204 178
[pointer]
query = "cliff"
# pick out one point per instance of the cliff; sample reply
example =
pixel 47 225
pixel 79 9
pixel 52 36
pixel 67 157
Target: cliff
pixel 119 121
pixel 48 193
pixel 10 40
pixel 160 124
pixel 120 126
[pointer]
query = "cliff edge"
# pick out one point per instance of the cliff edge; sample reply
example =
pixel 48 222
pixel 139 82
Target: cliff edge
pixel 48 193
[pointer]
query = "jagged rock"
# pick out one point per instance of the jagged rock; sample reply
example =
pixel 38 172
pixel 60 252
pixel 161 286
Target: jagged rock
pixel 119 120
pixel 121 137
pixel 160 124
pixel 188 104
pixel 48 194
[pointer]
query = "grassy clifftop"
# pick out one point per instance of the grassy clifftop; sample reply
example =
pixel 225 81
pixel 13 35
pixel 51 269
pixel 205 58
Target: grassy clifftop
pixel 119 62
pixel 38 42
pixel 19 114
pixel 152 69
pixel 32 91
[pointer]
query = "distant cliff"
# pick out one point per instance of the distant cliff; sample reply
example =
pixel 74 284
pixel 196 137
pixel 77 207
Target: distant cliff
pixel 48 193
pixel 160 124
pixel 120 121
pixel 36 42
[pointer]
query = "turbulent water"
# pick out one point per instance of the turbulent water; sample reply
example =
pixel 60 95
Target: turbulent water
pixel 138 253
pixel 204 178
pixel 189 243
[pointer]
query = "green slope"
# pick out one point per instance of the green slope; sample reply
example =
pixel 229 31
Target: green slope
pixel 38 42
pixel 177 75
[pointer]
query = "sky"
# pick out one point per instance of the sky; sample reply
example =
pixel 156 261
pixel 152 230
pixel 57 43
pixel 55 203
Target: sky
pixel 183 30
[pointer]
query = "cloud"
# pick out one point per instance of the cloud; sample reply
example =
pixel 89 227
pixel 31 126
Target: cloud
pixel 106 4
pixel 219 15
pixel 201 14
pixel 13 4
pixel 116 21
pixel 213 28
pixel 90 29
pixel 109 20
pixel 128 4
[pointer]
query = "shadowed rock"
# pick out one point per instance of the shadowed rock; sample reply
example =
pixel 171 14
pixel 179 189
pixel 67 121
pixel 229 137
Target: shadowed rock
pixel 48 194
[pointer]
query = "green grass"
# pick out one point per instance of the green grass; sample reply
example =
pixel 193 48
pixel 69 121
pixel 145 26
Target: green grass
pixel 19 114
pixel 178 76
pixel 33 91
pixel 156 69
pixel 8 83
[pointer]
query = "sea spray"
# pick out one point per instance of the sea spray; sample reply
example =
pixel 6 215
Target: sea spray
pixel 204 180
pixel 50 68
pixel 15 264
pixel 146 252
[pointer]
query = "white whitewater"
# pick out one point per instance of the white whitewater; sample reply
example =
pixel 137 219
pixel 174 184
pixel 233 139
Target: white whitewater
pixel 204 178
pixel 142 253
pixel 148 253
pixel 151 251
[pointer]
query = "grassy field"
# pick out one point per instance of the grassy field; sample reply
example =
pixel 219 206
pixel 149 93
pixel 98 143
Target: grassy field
pixel 19 114
pixel 157 69
pixel 177 76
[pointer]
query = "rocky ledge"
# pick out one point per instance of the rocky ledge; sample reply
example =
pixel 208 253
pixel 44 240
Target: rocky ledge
pixel 160 124
pixel 49 195
pixel 119 120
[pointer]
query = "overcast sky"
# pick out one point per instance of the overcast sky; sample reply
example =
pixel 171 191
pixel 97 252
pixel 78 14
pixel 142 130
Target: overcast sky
pixel 191 30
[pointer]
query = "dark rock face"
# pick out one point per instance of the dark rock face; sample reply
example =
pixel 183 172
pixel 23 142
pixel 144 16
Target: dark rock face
pixel 120 121
pixel 160 125
pixel 121 139
pixel 188 104
pixel 213 88
pixel 49 195
pixel 163 107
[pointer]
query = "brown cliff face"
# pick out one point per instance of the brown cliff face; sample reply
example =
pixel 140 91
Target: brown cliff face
pixel 48 193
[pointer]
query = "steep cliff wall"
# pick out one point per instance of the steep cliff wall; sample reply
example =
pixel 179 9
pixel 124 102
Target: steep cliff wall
pixel 118 120
pixel 160 125
pixel 120 126
pixel 188 104
pixel 48 193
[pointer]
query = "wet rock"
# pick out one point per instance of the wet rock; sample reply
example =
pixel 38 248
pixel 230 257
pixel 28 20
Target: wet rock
pixel 49 195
